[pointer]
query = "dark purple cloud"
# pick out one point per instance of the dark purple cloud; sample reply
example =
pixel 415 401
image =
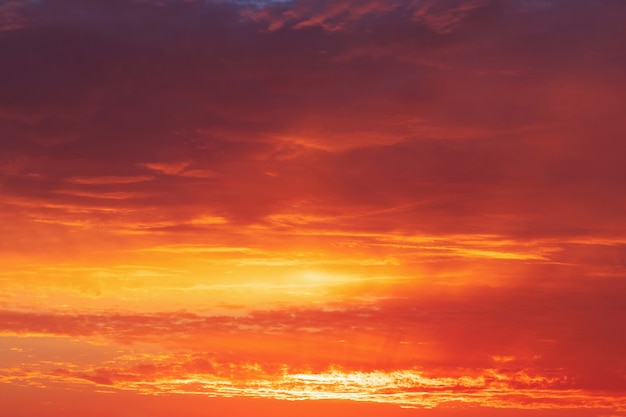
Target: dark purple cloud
pixel 488 109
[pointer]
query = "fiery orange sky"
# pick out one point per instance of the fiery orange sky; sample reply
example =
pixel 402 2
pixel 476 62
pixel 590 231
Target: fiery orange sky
pixel 312 207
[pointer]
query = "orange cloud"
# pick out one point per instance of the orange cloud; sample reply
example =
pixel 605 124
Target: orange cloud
pixel 413 203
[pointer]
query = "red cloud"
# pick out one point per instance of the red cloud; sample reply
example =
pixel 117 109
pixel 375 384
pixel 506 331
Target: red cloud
pixel 472 151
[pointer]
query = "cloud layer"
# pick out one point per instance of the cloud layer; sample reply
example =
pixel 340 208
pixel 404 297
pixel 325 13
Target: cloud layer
pixel 412 202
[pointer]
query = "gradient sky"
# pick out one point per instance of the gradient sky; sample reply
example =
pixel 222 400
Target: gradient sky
pixel 313 207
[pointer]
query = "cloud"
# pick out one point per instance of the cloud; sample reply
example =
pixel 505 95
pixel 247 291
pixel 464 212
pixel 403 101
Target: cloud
pixel 109 180
pixel 482 131
pixel 441 183
pixel 331 16
pixel 551 332
pixel 210 371
pixel 442 19
pixel 13 15
pixel 168 167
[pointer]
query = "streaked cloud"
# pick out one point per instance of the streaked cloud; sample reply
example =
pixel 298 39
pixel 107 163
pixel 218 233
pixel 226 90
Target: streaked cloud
pixel 109 180
pixel 415 203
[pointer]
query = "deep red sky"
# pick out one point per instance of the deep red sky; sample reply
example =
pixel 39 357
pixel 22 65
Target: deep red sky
pixel 361 205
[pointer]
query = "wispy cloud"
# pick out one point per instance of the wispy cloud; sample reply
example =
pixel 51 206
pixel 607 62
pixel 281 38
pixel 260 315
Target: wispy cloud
pixel 374 200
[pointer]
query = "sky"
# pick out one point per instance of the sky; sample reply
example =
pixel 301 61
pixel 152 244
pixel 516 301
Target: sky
pixel 313 207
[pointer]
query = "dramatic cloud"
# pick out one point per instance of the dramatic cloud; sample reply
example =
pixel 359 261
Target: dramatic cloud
pixel 526 355
pixel 412 202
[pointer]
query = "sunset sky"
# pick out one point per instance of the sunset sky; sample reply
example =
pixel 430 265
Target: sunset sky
pixel 312 208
